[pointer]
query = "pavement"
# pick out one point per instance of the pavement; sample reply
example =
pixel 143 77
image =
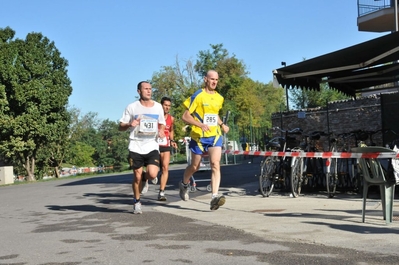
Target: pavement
pixel 311 218
pixel 90 221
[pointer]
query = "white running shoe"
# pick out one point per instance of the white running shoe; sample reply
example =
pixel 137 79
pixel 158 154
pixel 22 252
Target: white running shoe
pixel 144 189
pixel 137 208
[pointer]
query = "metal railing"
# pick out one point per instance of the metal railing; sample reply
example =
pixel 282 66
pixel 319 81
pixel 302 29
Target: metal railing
pixel 365 7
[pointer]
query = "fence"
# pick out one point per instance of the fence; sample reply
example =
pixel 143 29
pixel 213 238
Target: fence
pixel 365 7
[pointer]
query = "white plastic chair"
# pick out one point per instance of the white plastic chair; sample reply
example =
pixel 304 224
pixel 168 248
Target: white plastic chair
pixel 374 174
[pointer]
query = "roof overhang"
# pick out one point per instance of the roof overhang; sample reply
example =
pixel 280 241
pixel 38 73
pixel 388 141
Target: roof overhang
pixel 371 64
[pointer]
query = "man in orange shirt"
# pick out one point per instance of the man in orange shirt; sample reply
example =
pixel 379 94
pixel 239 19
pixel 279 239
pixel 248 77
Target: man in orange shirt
pixel 165 145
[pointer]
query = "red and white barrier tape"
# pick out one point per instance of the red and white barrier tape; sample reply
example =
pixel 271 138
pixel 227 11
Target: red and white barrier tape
pixel 315 154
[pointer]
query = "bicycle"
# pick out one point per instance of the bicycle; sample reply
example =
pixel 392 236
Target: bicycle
pixel 339 172
pixel 343 172
pixel 332 170
pixel 304 169
pixel 274 169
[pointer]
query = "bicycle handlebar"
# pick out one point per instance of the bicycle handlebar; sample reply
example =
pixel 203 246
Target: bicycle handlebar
pixel 293 131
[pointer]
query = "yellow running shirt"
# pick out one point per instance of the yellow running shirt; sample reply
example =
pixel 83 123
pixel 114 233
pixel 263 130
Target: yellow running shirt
pixel 205 108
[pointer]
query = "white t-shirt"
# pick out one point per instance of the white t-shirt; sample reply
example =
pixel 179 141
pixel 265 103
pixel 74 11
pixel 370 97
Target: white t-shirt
pixel 143 137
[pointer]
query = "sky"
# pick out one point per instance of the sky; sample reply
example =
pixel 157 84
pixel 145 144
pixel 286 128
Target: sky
pixel 110 46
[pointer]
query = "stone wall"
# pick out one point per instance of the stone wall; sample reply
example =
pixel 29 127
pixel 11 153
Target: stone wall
pixel 338 118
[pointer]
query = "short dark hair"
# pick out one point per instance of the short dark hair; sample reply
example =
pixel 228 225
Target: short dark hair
pixel 165 99
pixel 139 84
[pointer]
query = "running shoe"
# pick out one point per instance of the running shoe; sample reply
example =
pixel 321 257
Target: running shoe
pixel 155 181
pixel 183 191
pixel 216 202
pixel 137 208
pixel 144 188
pixel 161 196
pixel 144 183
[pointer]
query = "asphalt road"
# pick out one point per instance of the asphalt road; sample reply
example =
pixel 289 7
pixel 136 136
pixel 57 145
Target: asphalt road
pixel 90 221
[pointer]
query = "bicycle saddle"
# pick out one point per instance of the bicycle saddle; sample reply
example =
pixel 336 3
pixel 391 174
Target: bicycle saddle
pixel 276 142
pixel 315 135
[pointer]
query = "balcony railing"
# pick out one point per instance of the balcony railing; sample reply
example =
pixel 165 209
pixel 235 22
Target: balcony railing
pixel 365 7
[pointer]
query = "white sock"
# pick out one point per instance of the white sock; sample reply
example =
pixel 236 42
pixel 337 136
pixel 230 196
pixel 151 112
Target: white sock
pixel 214 195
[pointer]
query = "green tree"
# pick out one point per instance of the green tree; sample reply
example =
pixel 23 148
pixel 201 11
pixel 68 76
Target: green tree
pixel 115 142
pixel 232 75
pixel 6 59
pixel 83 129
pixel 80 123
pixel 109 144
pixel 84 154
pixel 304 98
pixel 177 82
pixel 251 103
pixel 34 87
pixel 50 158
pixel 209 59
pixel 242 95
pixel 231 70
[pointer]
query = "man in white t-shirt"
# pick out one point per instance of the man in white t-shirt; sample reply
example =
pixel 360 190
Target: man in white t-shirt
pixel 146 122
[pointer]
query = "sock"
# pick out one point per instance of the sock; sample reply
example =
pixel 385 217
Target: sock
pixel 135 200
pixel 214 195
pixel 185 185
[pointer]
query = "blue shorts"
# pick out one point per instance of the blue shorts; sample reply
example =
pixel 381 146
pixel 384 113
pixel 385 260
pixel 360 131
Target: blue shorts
pixel 204 143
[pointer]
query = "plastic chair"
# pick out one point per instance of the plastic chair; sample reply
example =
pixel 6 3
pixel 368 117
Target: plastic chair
pixel 374 174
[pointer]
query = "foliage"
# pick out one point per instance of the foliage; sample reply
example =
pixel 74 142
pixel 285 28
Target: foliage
pixel 249 102
pixel 115 143
pixel 108 143
pixel 34 91
pixel 37 129
pixel 84 153
pixel 303 98
pixel 177 82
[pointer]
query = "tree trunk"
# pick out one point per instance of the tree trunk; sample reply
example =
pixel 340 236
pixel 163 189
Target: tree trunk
pixel 30 169
pixel 56 172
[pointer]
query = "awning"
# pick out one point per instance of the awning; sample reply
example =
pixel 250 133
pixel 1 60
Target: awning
pixel 368 65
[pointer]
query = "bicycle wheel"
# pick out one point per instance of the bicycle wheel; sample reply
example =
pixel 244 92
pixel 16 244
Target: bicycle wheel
pixel 266 178
pixel 331 178
pixel 296 176
pixel 357 179
pixel 287 174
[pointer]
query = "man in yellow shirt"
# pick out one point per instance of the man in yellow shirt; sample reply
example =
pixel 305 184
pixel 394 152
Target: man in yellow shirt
pixel 202 112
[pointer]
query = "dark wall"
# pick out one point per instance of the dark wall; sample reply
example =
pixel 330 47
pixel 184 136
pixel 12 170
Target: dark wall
pixel 390 117
pixel 341 117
